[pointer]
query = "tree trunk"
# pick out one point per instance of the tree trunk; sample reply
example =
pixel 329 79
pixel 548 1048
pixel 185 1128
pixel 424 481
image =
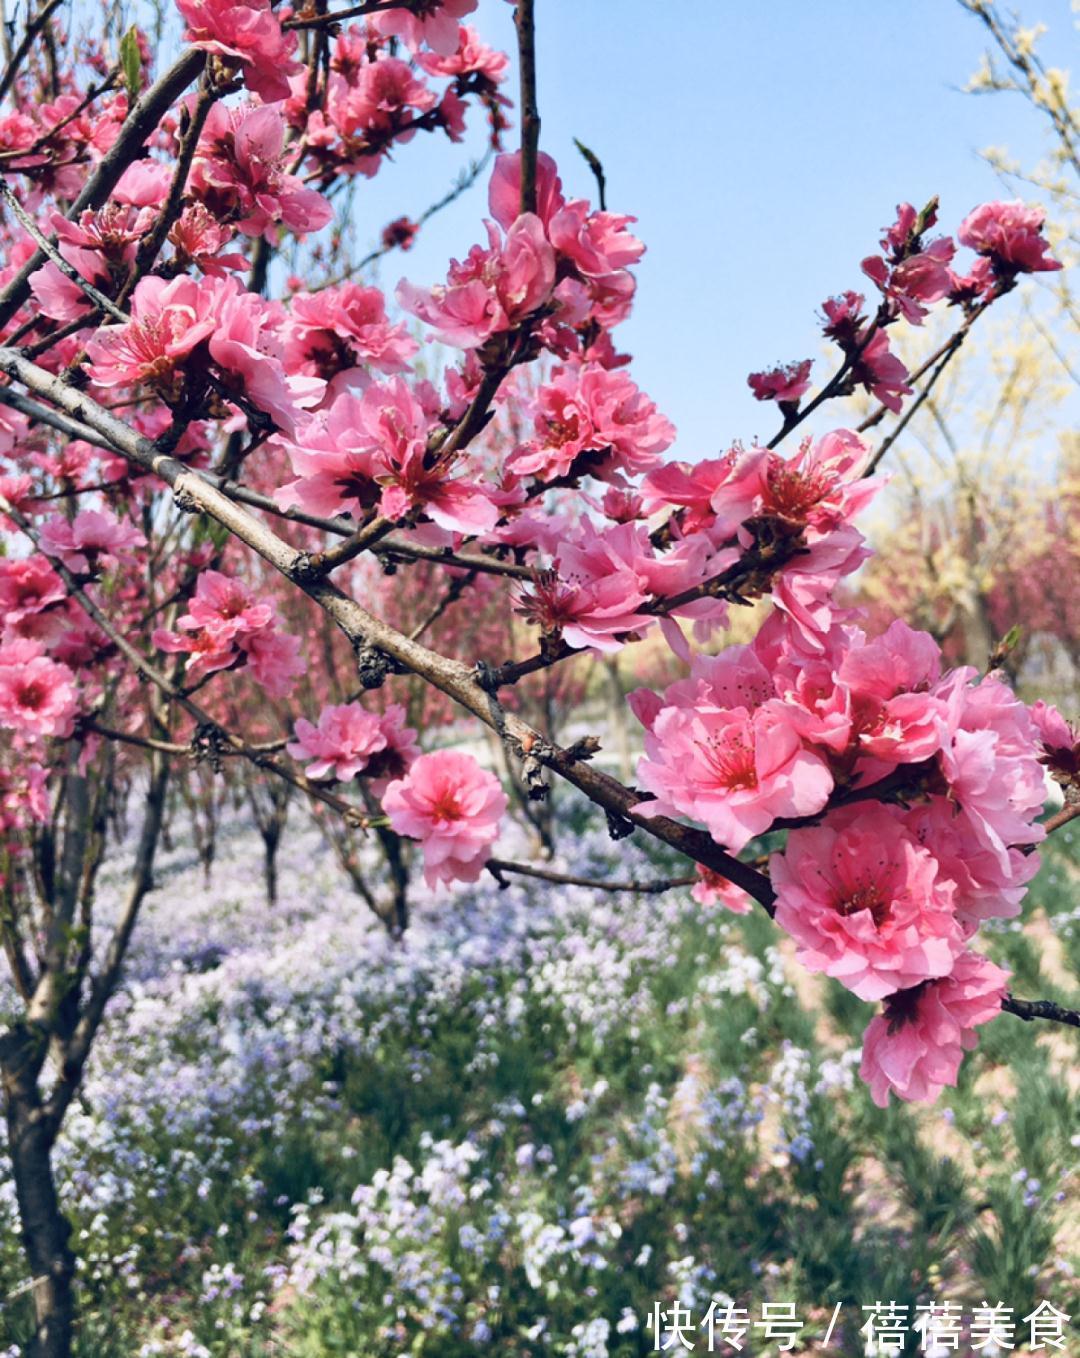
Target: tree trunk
pixel 45 1229
pixel 271 842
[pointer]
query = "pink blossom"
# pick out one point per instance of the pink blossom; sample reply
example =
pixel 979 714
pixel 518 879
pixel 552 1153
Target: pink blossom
pixel 60 297
pixel 895 717
pixel 823 485
pixel 248 34
pixel 373 449
pixel 338 329
pixel 589 410
pixel 239 174
pixel 37 694
pixel 453 806
pixel 379 100
pixel 93 540
pixel 881 372
pixel 1060 741
pixel 722 750
pixel 913 273
pixel 716 495
pixel 914 1048
pixel 843 314
pixel 434 24
pixel 169 320
pixel 472 57
pixel 1010 234
pixel 227 626
pixel 225 606
pixel 712 889
pixel 920 279
pixel 596 243
pixel 592 597
pixel 989 884
pixel 788 382
pixel 991 763
pixel 199 239
pixel 334 464
pixel 398 753
pixel 274 659
pixel 246 347
pixel 865 902
pixel 492 290
pixel 145 183
pixel 28 586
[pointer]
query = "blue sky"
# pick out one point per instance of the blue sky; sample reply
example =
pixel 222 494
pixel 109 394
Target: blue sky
pixel 760 145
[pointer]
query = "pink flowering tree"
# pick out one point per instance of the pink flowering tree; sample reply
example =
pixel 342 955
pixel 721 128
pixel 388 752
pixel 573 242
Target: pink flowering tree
pixel 246 536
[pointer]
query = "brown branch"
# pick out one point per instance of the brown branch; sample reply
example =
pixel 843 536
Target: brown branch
pixel 498 866
pixel 1040 1009
pixel 356 12
pixel 524 22
pixel 33 28
pixel 98 298
pixel 1067 813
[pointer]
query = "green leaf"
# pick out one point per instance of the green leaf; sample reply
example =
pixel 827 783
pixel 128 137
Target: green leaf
pixel 131 61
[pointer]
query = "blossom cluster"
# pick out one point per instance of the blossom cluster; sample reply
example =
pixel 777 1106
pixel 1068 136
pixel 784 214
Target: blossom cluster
pixel 910 797
pixel 912 274
pixel 910 794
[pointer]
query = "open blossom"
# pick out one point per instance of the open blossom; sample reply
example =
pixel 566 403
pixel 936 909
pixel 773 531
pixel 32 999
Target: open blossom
pixel 398 753
pixel 1060 741
pixel 989 884
pixel 453 806
pixel 866 902
pixel 823 485
pixel 914 1048
pixel 1010 235
pixel 339 329
pixel 713 889
pixel 788 382
pixel 168 321
pixel 894 716
pixel 199 239
pixel 596 243
pixel 227 626
pixel 471 57
pixel 341 744
pixel 721 749
pixel 239 174
pixel 593 595
pixel 28 586
pixel 249 34
pixel 434 24
pixel 37 694
pixel 913 273
pixel 381 101
pixel 93 540
pixel 235 329
pixel 371 449
pixel 589 410
pixel 491 290
pixel 246 347
pixel 991 763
